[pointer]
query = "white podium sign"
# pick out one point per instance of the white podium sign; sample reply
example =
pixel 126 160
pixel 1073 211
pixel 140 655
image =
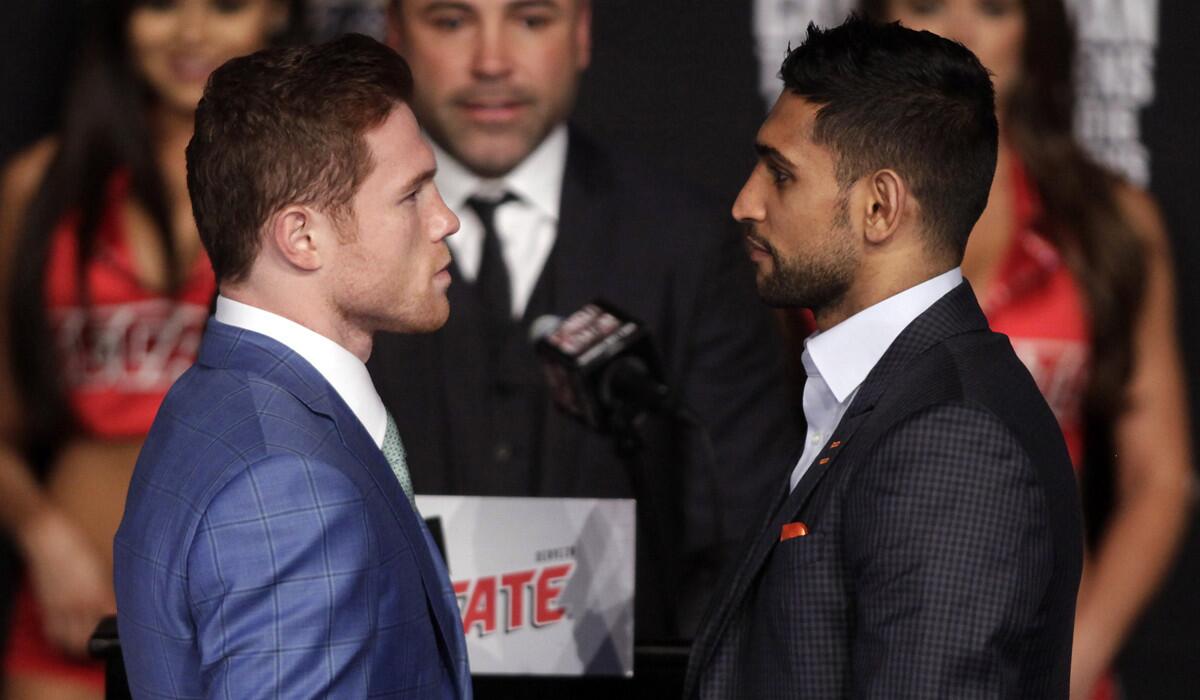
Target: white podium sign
pixel 545 585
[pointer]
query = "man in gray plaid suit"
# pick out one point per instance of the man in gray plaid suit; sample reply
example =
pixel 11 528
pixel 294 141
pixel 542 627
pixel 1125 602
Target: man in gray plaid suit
pixel 927 543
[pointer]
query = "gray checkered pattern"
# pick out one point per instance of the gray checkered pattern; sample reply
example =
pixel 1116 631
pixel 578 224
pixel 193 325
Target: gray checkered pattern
pixel 393 451
pixel 944 548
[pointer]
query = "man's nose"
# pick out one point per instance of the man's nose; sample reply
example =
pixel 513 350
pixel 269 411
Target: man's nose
pixel 747 207
pixel 492 58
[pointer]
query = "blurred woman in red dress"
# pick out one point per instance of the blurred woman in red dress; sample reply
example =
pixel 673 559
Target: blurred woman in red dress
pixel 1072 263
pixel 105 291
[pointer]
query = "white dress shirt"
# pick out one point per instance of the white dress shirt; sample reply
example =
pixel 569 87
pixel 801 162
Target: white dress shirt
pixel 526 226
pixel 839 359
pixel 341 368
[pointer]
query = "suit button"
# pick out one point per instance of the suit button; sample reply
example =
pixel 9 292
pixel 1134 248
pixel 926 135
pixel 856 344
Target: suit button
pixel 502 452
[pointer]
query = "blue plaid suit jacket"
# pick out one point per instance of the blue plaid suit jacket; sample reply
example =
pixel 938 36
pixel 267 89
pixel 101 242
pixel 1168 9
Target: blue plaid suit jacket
pixel 267 549
pixel 944 542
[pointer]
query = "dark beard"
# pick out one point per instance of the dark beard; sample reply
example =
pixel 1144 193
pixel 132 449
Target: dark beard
pixel 807 283
pixel 816 281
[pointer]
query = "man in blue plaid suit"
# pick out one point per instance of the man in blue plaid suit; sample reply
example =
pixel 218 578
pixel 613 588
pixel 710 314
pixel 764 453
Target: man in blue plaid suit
pixel 270 546
pixel 927 541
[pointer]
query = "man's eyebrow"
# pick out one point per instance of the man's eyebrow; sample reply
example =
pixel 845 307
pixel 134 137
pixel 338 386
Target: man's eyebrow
pixel 418 179
pixel 441 5
pixel 771 153
pixel 533 5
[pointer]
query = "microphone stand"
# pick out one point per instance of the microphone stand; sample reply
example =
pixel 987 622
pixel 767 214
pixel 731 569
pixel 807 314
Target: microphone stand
pixel 682 429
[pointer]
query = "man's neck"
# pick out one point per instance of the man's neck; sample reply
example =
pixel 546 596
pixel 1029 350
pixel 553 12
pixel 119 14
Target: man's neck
pixel 870 288
pixel 536 178
pixel 311 314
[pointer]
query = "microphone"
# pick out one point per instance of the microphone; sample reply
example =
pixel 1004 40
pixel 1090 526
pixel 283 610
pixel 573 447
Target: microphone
pixel 602 369
pixel 601 366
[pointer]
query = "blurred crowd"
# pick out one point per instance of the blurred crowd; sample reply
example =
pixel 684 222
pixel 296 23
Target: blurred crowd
pixel 104 287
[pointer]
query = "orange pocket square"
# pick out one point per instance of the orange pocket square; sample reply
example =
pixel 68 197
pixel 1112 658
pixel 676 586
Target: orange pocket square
pixel 790 530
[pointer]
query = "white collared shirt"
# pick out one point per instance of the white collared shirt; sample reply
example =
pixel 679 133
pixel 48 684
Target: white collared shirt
pixel 341 368
pixel 526 226
pixel 839 359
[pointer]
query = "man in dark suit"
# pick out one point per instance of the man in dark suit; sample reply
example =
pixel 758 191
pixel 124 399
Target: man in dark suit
pixel 550 221
pixel 928 542
pixel 269 546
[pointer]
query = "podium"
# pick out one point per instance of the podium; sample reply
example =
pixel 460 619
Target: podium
pixel 658 673
pixel 545 586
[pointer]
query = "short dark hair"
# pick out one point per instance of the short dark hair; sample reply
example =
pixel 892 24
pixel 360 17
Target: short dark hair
pixel 284 126
pixel 891 97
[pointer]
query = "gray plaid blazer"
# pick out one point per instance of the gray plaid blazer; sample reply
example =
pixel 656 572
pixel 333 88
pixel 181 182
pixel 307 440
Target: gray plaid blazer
pixel 944 541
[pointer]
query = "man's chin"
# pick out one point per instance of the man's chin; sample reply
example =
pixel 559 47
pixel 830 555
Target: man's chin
pixel 769 290
pixel 780 296
pixel 428 322
pixel 493 150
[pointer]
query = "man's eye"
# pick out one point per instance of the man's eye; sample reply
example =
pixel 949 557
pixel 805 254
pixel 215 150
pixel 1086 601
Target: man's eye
pixel 447 23
pixel 535 21
pixel 158 5
pixel 924 7
pixel 777 176
pixel 229 7
pixel 997 8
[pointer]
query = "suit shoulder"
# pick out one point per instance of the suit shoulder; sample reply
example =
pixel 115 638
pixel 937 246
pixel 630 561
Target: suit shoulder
pixel 954 446
pixel 284 485
pixel 968 403
pixel 214 423
pixel 992 375
pixel 951 420
pixel 979 367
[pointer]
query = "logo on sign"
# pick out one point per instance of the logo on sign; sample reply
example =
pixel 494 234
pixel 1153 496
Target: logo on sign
pixel 514 600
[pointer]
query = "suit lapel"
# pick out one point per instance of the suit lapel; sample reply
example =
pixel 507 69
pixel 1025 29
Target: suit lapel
pixel 226 346
pixel 581 262
pixel 785 507
pixel 358 441
pixel 955 313
pixel 716 619
pixel 464 365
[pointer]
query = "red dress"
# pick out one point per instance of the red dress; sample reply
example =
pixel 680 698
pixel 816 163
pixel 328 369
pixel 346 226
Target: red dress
pixel 119 356
pixel 1039 304
pixel 1036 301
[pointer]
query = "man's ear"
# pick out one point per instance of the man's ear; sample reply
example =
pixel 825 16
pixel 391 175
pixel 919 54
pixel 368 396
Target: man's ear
pixel 295 234
pixel 887 205
pixel 392 19
pixel 278 18
pixel 583 33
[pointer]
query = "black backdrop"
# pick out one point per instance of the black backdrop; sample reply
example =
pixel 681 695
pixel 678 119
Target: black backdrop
pixel 677 81
pixel 1162 660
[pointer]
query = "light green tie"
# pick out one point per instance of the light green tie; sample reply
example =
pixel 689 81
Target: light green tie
pixel 393 451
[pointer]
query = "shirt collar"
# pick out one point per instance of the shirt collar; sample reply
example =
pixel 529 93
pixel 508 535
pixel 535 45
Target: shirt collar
pixel 845 354
pixel 345 373
pixel 537 180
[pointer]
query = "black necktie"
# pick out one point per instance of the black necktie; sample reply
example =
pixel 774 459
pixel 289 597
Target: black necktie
pixel 492 281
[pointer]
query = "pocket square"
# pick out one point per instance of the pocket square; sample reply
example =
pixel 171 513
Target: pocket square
pixel 790 530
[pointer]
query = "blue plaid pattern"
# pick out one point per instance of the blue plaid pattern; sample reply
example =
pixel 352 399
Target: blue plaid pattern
pixel 267 549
